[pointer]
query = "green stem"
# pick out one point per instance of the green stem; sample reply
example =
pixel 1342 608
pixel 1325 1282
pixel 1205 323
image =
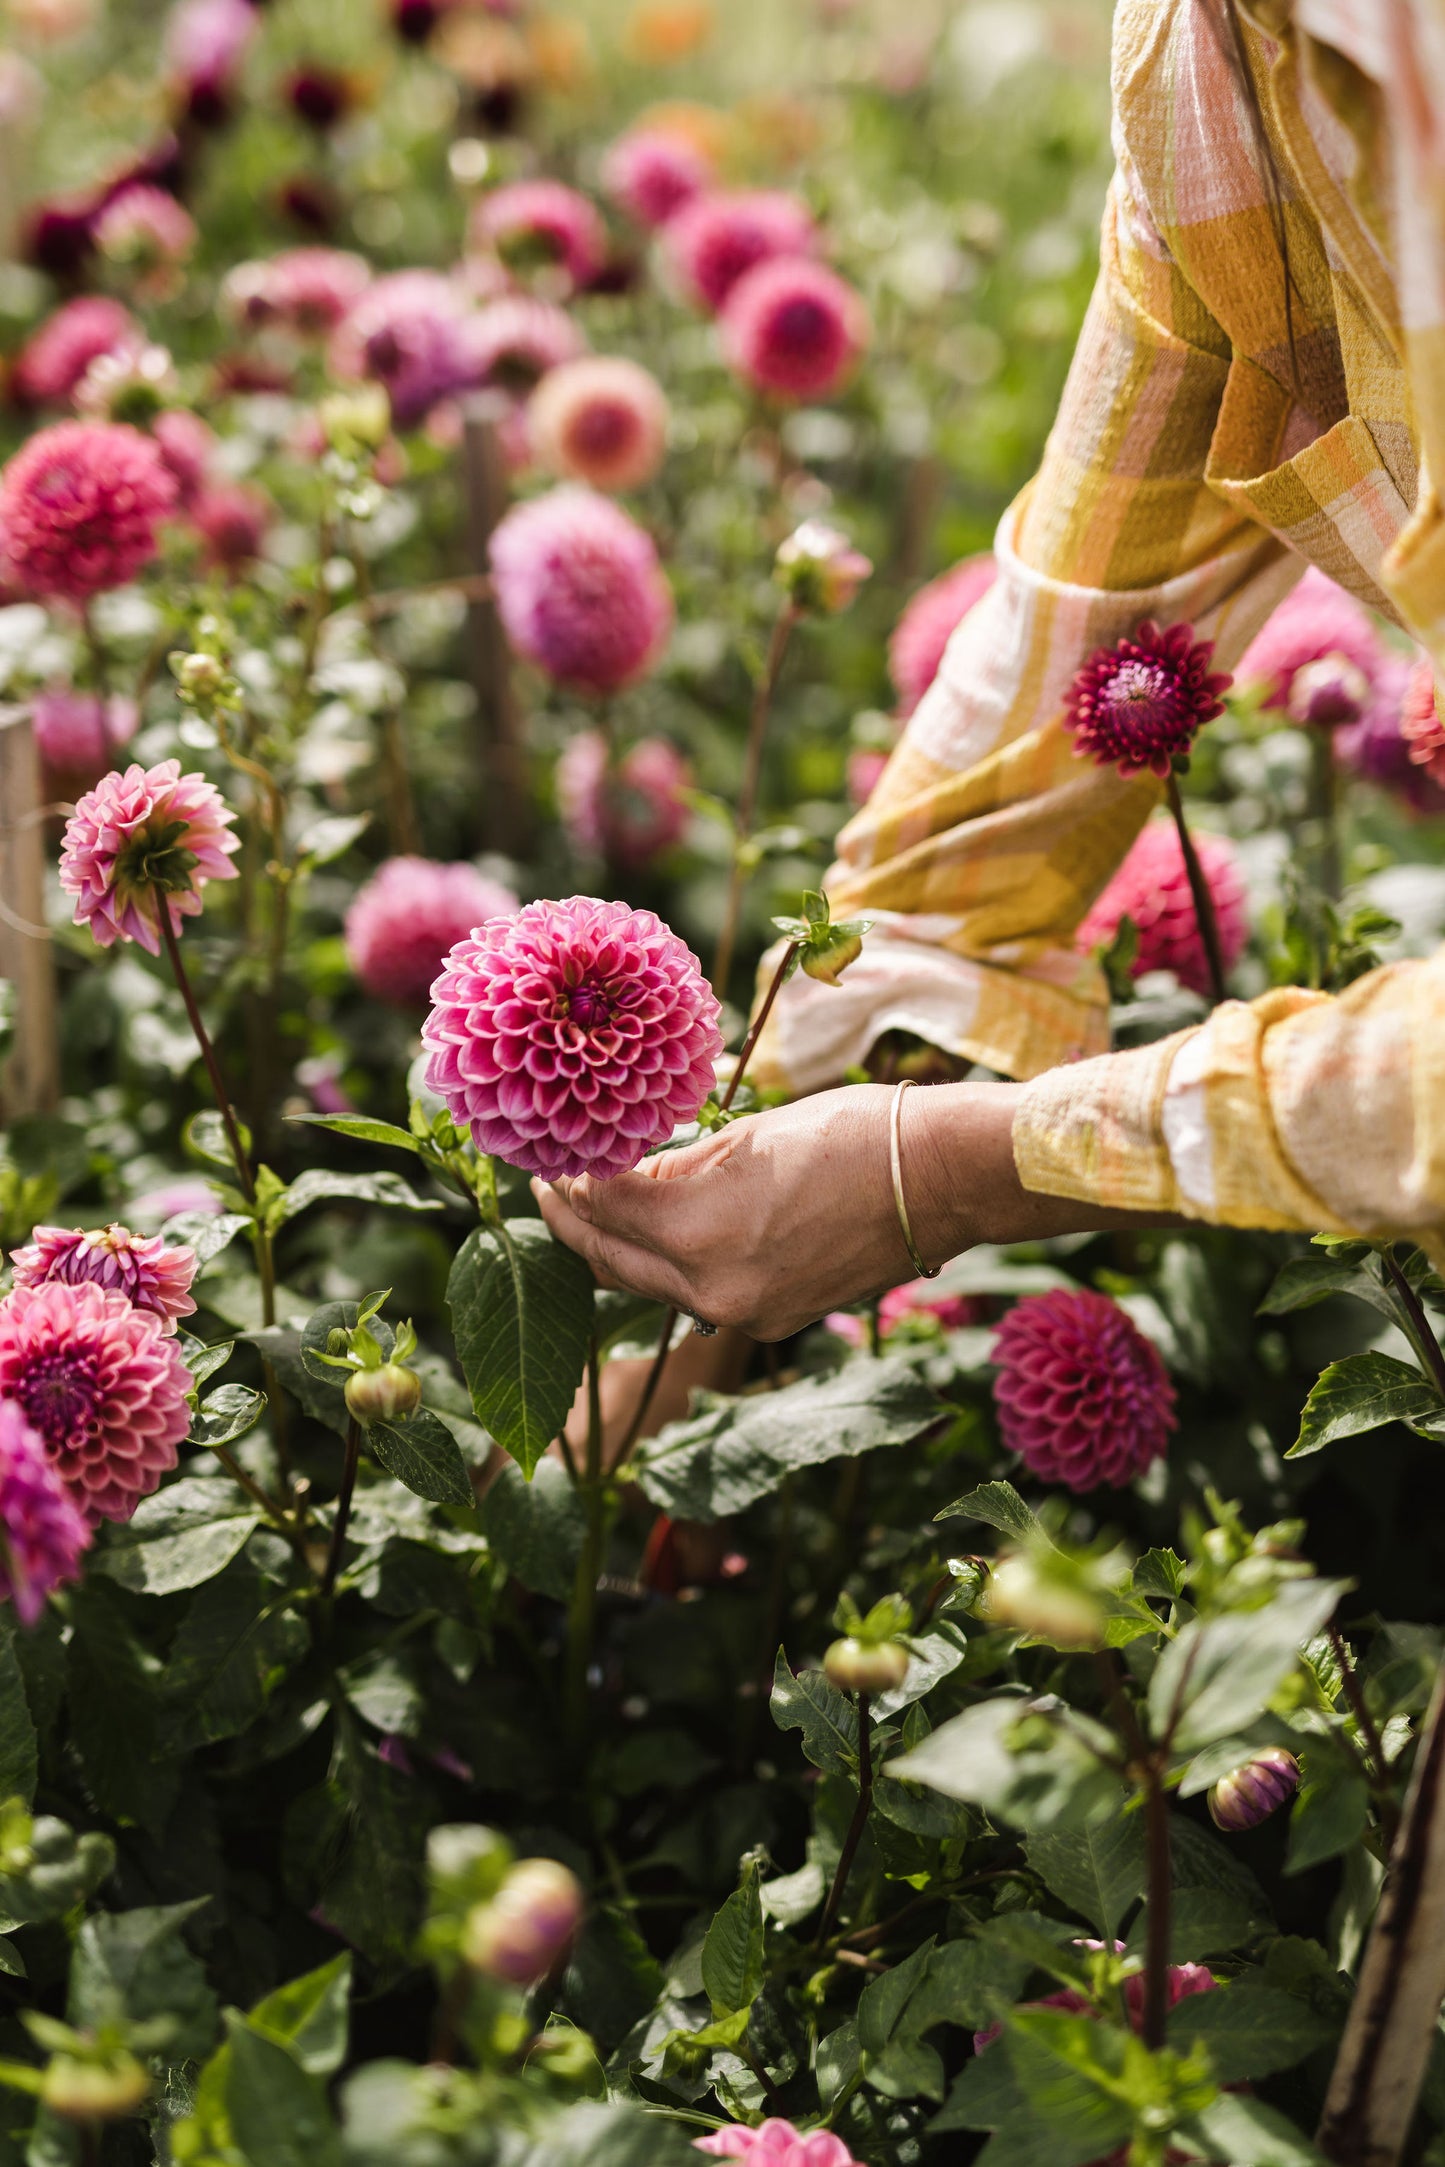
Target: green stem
pixel 1199 890
pixel 855 1827
pixel 349 1466
pixel 763 693
pixel 1325 790
pixel 208 1052
pixel 1419 1330
pixel 755 1031
pixel 582 1611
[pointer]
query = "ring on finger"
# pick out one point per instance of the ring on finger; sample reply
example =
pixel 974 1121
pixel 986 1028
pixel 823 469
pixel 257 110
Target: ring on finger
pixel 702 1328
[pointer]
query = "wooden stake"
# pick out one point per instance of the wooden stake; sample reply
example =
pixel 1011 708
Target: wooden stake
pixel 505 799
pixel 30 1081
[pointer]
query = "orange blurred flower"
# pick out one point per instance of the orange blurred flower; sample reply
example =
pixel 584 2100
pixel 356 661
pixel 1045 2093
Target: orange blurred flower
pixel 662 32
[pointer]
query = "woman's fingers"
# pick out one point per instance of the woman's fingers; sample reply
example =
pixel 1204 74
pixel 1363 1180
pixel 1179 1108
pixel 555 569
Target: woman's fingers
pixel 615 1261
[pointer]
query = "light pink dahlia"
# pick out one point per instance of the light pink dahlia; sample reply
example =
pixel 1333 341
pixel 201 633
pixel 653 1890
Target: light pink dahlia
pixel 1152 888
pixel 134 832
pixel 405 918
pixel 535 223
pixel 579 589
pixel 145 225
pixel 629 812
pixel 55 358
pixel 43 1534
pixel 105 1386
pixel 776 2143
pixel 78 735
pixel 1082 1396
pixel 410 332
pixel 205 44
pixel 1138 704
pixel 652 173
pixel 187 444
pixel 188 1193
pixel 917 1298
pixel 929 622
pixel 717 237
pixel 599 420
pixel 512 343
pixel 308 290
pixel 572 1038
pixel 793 328
pixel 80 509
pixel 150 1273
pixel 1319 656
pixel 1420 722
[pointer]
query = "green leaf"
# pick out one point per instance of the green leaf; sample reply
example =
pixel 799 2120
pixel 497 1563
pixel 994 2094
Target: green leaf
pixel 932 1656
pixel 233 1647
pixel 1363 1392
pixel 718 1462
pixel 202 1360
pixel 309 2015
pixel 1048 2109
pixel 521 1307
pixel 536 1528
pixel 228 1413
pixel 1220 1673
pixel 1206 1922
pixel 906 2069
pixel 1019 1762
pixel 205 1136
pixel 277 2110
pixel 320 1186
pixel 828 1720
pixel 1098 1871
pixel 422 1453
pixel 884 2012
pixel 64 1870
pixel 1303 1281
pixel 208 1233
pixel 114 1687
pixel 18 1745
pixel 1243 2132
pixel 363 1128
pixel 732 1954
pixel 134 1963
pixel 1331 1807
pixel 969 1983
pixel 999 1505
pixel 331 837
pixel 1250 2030
pixel 178 1538
pixel 1160 1573
pixel 12 1963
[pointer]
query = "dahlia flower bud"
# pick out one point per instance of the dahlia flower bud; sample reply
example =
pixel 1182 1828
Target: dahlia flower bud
pixel 652 173
pixel 1152 888
pixel 403 920
pixel 80 509
pixel 354 422
pixel 528 1926
pixel 776 2143
pixel 579 589
pixel 793 328
pixel 1139 704
pixel 135 836
pixel 1250 1794
pixel 150 1273
pixel 1328 692
pixel 929 622
pixel 95 2091
pixel 573 1037
pixel 201 679
pixel 1020 1593
pixel 599 420
pixel 43 1534
pixel 858 1666
pixel 1082 1397
pixel 388 1394
pixel 820 568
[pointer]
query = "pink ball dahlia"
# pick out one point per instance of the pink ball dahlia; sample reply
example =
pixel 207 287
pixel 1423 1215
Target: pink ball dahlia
pixel 78 735
pixel 651 174
pixel 150 1273
pixel 43 1534
pixel 411 332
pixel 717 237
pixel 1420 722
pixel 542 223
pixel 929 622
pixel 135 832
pixel 1152 888
pixel 600 420
pixel 776 2143
pixel 514 342
pixel 1319 657
pixel 308 290
pixel 1139 703
pixel 572 1038
pixel 105 1386
pixel 579 589
pixel 54 359
pixel 794 328
pixel 231 519
pixel 917 1298
pixel 405 918
pixel 145 225
pixel 1082 1396
pixel 630 812
pixel 80 506
pixel 187 444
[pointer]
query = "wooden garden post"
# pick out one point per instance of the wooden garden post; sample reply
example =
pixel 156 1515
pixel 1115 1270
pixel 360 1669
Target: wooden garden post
pixel 30 1079
pixel 505 799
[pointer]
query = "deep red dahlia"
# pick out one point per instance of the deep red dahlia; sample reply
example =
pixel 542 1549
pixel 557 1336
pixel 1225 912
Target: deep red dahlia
pixel 1082 1396
pixel 1138 704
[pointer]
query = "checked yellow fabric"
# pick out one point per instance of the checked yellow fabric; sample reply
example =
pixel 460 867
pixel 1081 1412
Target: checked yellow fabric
pixel 1194 469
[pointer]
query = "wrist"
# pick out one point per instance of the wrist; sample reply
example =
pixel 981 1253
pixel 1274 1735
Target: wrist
pixel 959 1178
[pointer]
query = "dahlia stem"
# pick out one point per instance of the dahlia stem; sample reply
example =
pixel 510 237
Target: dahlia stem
pixel 763 692
pixel 262 1497
pixel 208 1052
pixel 1426 1346
pixel 855 1827
pixel 1376 1772
pixel 1146 1766
pixel 755 1031
pixel 400 805
pixel 343 1507
pixel 1199 890
pixel 582 1611
pixel 1324 779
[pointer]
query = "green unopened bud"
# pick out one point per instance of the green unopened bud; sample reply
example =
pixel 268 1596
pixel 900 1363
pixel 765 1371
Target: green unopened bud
pixel 1022 1594
pixel 356 421
pixel 858 1666
pixel 820 568
pixel 388 1394
pixel 85 2091
pixel 203 680
pixel 828 959
pixel 528 1926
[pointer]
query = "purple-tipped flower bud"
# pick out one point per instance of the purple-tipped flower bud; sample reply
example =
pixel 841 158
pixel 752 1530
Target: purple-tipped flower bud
pixel 860 1666
pixel 528 1926
pixel 820 568
pixel 388 1394
pixel 1251 1794
pixel 1330 691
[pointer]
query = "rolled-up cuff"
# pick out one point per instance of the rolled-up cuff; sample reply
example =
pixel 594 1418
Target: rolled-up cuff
pixel 1094 1131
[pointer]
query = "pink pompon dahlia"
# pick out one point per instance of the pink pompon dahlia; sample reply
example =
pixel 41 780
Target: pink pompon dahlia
pixel 599 420
pixel 631 812
pixel 579 589
pixel 514 342
pixel 54 359
pixel 1319 657
pixel 928 623
pixel 1082 1396
pixel 573 1037
pixel 78 735
pixel 150 1273
pixel 793 328
pixel 1138 704
pixel 231 518
pixel 43 1534
pixel 411 332
pixel 653 173
pixel 917 1301
pixel 307 290
pixel 408 915
pixel 144 226
pixel 776 2143
pixel 542 223
pixel 80 509
pixel 103 1383
pixel 717 237
pixel 1152 888
pixel 137 832
pixel 1420 722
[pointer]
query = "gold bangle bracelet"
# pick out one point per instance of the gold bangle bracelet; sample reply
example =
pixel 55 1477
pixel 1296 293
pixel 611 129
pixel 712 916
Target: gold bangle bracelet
pixel 895 1158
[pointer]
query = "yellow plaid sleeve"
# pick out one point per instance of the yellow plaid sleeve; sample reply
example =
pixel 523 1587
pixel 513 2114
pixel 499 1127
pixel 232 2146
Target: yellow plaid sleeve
pixel 1297 1111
